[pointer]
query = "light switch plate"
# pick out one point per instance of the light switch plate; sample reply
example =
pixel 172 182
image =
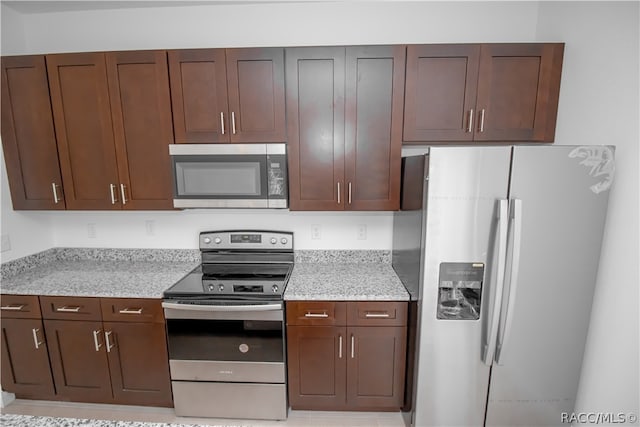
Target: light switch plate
pixel 6 243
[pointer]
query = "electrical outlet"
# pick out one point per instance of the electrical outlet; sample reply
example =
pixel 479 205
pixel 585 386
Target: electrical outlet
pixel 362 232
pixel 91 230
pixel 315 232
pixel 150 226
pixel 6 243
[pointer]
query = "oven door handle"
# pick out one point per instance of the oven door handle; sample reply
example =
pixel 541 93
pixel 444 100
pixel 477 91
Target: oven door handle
pixel 248 307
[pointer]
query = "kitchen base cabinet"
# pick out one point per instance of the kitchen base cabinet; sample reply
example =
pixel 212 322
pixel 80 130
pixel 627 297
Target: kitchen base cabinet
pixel 78 360
pixel 25 359
pixel 108 350
pixel 355 362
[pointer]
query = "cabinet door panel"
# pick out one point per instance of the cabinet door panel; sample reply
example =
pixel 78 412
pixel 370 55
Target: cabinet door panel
pixel 80 370
pixel 373 130
pixel 518 88
pixel 376 366
pixel 315 128
pixel 25 360
pixel 28 136
pixel 440 92
pixel 138 363
pixel 199 95
pixel 80 100
pixel 141 110
pixel 316 366
pixel 255 80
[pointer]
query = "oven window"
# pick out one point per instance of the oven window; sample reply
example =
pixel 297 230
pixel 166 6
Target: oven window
pixel 218 178
pixel 226 340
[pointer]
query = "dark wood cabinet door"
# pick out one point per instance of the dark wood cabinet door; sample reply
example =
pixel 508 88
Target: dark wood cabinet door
pixel 255 81
pixel 316 366
pixel 376 366
pixel 139 363
pixel 79 360
pixel 440 93
pixel 25 360
pixel 141 112
pixel 82 116
pixel 28 136
pixel 199 95
pixel 315 127
pixel 518 89
pixel 373 126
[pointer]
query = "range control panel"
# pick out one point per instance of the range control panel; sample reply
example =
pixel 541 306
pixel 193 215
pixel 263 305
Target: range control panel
pixel 246 239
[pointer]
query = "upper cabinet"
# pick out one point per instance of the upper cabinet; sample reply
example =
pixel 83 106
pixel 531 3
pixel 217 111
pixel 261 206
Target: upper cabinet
pixel 113 124
pixel 344 119
pixel 28 135
pixel 228 95
pixel 489 92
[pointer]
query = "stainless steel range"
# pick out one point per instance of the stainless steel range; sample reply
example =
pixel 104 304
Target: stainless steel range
pixel 225 327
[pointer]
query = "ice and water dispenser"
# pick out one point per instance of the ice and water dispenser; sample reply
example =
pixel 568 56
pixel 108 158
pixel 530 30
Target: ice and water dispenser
pixel 459 290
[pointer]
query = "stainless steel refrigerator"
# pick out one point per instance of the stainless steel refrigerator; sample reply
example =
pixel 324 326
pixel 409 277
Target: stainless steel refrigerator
pixel 499 248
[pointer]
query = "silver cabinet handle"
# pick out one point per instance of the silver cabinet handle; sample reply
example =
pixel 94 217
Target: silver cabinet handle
pixel 222 122
pixel 112 189
pixel 353 347
pixel 511 283
pixel 122 194
pixel 130 311
pixel 340 347
pixel 488 347
pixel 106 339
pixel 233 122
pixel 56 199
pixel 36 342
pixel 349 193
pixel 12 307
pixel 470 121
pixel 309 314
pixel 376 315
pixel 481 125
pixel 338 193
pixel 66 309
pixel 95 340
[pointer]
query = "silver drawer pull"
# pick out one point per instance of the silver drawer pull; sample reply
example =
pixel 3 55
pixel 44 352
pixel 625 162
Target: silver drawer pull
pixel 308 314
pixel 376 315
pixel 130 311
pixel 12 307
pixel 66 309
pixel 106 338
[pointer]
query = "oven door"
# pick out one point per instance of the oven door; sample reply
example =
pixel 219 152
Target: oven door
pixel 239 342
pixel 229 175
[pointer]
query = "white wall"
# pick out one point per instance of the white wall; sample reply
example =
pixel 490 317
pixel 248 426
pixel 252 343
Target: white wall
pixel 599 104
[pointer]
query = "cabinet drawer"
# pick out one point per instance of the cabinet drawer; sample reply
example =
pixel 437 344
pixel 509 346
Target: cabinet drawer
pixel 132 310
pixel 20 306
pixel 70 308
pixel 377 313
pixel 320 313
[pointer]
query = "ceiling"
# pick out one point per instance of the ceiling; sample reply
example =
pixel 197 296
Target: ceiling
pixel 29 6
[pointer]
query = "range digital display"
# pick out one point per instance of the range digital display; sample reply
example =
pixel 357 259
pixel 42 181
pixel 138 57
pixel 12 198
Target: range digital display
pixel 246 238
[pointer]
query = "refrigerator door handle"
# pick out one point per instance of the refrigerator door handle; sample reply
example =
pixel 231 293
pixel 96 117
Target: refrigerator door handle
pixel 488 348
pixel 505 324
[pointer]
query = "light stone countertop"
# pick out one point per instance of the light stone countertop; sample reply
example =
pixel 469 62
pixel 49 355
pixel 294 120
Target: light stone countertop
pixel 345 282
pixel 147 273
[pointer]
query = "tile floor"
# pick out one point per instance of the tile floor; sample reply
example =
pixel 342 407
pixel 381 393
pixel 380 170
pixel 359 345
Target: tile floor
pixel 167 415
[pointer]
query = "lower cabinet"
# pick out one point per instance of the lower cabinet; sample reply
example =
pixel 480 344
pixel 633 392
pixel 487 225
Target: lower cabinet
pixel 108 350
pixel 25 358
pixel 346 355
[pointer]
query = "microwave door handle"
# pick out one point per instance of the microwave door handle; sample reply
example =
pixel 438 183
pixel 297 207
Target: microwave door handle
pixel 504 330
pixel 488 348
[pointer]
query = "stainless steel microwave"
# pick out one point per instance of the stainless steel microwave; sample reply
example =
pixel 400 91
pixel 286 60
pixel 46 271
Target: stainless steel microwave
pixel 229 175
